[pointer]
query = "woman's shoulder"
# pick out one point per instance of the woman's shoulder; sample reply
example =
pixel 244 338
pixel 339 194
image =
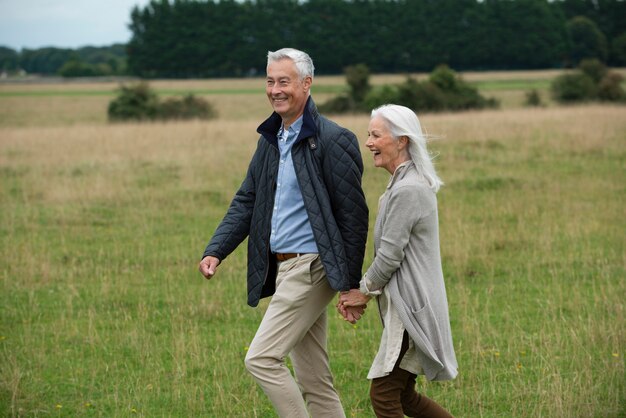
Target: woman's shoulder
pixel 412 183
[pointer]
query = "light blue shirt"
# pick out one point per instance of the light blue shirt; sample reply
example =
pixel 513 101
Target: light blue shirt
pixel 291 229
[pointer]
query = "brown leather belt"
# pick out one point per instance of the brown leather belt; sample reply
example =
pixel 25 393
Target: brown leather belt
pixel 286 256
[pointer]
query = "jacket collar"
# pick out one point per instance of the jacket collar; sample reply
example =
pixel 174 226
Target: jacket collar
pixel 270 127
pixel 401 171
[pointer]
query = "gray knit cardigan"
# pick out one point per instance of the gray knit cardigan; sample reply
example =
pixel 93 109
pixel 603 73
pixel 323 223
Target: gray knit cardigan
pixel 407 263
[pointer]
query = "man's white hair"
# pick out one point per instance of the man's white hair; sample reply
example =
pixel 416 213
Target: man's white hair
pixel 304 63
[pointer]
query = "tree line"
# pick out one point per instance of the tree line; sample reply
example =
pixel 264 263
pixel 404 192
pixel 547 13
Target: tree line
pixel 81 62
pixel 228 37
pixel 211 38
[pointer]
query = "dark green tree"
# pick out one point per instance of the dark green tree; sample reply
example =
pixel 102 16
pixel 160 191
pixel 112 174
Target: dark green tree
pixel 186 38
pixel 586 40
pixel 45 60
pixel 9 59
pixel 76 68
pixel 618 50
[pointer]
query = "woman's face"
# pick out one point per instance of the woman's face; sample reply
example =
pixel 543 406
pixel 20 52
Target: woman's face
pixel 388 153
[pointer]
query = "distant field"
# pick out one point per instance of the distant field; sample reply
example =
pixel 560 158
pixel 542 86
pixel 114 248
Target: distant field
pixel 61 102
pixel 323 84
pixel 103 313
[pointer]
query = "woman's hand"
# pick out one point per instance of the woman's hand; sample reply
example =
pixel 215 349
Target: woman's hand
pixel 352 305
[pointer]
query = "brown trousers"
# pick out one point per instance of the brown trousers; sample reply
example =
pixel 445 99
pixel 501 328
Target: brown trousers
pixel 394 395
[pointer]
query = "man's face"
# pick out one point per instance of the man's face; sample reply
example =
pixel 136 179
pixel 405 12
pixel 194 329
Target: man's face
pixel 285 90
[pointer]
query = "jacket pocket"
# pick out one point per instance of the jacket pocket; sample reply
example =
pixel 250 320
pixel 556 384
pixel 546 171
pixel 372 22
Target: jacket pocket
pixel 427 322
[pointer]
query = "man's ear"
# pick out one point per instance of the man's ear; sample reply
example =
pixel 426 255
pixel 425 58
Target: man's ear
pixel 307 83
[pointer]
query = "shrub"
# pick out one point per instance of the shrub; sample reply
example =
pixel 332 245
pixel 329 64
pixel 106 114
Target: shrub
pixel 593 68
pixel 139 102
pixel 445 78
pixel 358 77
pixel 380 96
pixel 610 88
pixel 421 96
pixel 135 102
pixel 454 93
pixel 576 87
pixel 533 98
pixel 444 90
pixel 339 104
pixel 189 107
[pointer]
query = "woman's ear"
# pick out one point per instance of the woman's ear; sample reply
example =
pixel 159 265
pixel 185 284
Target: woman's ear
pixel 403 142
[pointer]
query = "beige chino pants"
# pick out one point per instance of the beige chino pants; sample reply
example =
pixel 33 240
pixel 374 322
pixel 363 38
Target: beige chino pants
pixel 295 324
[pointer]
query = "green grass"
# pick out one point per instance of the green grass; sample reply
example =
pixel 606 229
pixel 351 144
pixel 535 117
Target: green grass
pixel 103 313
pixel 512 84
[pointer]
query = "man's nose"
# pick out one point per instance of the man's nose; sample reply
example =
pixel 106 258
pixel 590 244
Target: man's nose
pixel 275 90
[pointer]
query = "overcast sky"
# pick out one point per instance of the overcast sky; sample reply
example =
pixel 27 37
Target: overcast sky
pixel 65 23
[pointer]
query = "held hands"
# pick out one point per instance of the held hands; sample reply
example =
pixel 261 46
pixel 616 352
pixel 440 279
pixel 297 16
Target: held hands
pixel 352 305
pixel 208 266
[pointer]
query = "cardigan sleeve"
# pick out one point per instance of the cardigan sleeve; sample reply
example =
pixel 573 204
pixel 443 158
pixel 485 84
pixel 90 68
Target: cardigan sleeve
pixel 401 215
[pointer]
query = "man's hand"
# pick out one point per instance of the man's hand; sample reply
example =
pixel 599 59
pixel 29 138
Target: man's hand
pixel 208 266
pixel 353 297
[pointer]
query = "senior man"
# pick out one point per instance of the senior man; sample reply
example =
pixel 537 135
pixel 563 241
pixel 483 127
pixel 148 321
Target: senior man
pixel 303 208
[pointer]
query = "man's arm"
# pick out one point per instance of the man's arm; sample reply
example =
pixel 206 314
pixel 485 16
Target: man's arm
pixel 344 167
pixel 235 226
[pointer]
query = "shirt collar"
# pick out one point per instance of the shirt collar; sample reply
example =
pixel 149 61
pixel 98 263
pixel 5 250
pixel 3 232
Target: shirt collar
pixel 401 170
pixel 295 127
pixel 269 128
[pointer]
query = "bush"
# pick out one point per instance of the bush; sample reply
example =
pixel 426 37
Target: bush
pixel 136 102
pixel 610 88
pixel 533 98
pixel 576 87
pixel 444 90
pixel 189 107
pixel 380 96
pixel 592 81
pixel 593 68
pixel 358 77
pixel 339 104
pixel 420 96
pixel 140 103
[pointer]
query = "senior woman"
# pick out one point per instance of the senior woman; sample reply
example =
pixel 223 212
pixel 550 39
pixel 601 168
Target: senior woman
pixel 405 275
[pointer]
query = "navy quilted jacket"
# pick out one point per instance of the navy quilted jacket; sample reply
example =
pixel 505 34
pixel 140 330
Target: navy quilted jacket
pixel 328 164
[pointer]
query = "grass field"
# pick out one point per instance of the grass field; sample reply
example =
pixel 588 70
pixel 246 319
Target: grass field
pixel 70 102
pixel 103 313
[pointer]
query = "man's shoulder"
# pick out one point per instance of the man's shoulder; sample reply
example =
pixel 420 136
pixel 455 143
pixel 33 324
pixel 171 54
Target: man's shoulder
pixel 329 130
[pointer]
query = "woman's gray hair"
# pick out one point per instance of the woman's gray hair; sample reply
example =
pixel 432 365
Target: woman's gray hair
pixel 402 121
pixel 304 63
